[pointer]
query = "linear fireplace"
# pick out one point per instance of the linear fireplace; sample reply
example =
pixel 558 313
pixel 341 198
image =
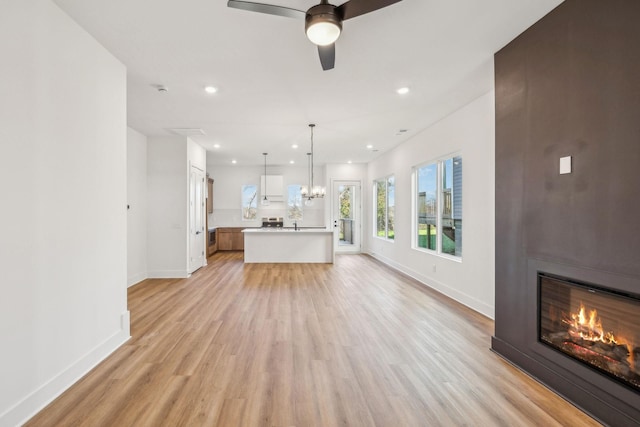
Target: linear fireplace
pixel 596 326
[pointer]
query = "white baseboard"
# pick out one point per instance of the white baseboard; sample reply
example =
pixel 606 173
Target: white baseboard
pixel 35 401
pixel 434 284
pixel 136 278
pixel 168 274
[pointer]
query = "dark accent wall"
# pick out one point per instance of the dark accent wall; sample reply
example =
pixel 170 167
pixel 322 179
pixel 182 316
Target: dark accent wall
pixel 568 86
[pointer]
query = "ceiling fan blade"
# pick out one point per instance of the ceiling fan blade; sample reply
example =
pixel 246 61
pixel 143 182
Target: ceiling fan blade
pixel 354 8
pixel 267 8
pixel 327 56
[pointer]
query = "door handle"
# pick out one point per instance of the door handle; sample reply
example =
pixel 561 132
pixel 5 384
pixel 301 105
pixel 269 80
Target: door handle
pixel 197 232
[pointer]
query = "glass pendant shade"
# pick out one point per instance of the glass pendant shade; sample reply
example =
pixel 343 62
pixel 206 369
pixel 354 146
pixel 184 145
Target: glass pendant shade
pixel 323 33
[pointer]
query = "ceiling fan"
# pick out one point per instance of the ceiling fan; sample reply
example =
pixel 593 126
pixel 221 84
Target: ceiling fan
pixel 323 22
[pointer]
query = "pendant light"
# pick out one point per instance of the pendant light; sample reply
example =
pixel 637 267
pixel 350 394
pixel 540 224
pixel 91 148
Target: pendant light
pixel 311 192
pixel 265 201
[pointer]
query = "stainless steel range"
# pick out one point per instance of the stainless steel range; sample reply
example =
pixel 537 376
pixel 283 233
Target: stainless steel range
pixel 272 222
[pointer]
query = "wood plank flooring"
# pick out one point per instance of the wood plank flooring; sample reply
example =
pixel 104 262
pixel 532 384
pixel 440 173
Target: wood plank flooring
pixel 349 344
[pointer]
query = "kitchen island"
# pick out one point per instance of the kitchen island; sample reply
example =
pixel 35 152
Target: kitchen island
pixel 287 245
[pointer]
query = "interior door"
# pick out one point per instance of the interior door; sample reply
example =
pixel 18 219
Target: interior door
pixel 346 213
pixel 196 219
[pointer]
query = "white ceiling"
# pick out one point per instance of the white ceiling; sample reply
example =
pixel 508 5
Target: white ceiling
pixel 271 84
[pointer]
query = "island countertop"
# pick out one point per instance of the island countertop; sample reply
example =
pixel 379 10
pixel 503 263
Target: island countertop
pixel 287 245
pixel 287 230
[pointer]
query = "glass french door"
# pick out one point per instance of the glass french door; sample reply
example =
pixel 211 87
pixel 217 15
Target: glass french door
pixel 346 208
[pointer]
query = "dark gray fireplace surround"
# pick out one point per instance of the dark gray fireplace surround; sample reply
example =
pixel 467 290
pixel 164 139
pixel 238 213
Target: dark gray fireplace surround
pixel 568 86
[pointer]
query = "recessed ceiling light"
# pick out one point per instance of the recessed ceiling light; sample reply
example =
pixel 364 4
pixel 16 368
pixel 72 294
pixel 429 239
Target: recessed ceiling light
pixel 234 161
pixel 294 146
pixel 216 145
pixel 210 89
pixel 403 91
pixel 291 162
pixel 369 146
pixel 349 161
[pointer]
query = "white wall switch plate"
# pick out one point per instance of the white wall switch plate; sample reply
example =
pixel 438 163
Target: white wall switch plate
pixel 565 165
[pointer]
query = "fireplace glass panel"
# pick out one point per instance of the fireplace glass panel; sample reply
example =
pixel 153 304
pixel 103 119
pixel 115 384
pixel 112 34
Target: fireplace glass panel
pixel 595 326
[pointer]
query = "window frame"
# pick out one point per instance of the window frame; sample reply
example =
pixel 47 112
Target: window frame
pixel 439 162
pixel 251 205
pixel 376 182
pixel 296 203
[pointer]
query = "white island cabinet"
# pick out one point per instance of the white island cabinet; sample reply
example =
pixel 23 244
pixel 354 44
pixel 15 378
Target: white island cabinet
pixel 272 245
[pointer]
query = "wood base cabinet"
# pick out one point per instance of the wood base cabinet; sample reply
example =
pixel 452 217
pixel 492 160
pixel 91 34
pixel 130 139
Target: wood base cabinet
pixel 230 239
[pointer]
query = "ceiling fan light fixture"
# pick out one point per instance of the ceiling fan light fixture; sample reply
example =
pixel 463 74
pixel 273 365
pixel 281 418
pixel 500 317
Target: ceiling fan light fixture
pixel 323 25
pixel 323 33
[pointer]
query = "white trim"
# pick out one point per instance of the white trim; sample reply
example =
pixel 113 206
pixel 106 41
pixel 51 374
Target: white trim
pixel 353 249
pixel 439 163
pixel 22 411
pixel 386 207
pixel 169 274
pixel 464 299
pixel 136 278
pixel 436 253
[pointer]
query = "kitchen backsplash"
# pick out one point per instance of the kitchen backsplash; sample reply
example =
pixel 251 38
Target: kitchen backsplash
pixel 233 218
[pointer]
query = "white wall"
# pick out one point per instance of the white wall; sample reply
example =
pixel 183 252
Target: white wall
pixel 228 182
pixel 137 207
pixel 63 185
pixel 168 204
pixel 196 155
pixel 168 167
pixel 469 131
pixel 345 172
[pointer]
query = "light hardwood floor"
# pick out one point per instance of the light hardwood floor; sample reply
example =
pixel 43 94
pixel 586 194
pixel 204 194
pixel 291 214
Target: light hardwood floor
pixel 351 344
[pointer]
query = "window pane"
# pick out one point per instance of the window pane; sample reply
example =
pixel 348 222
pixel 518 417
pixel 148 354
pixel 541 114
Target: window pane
pixel 391 206
pixel 294 202
pixel 249 202
pixel 345 231
pixel 427 190
pixel 381 207
pixel 346 200
pixel 451 237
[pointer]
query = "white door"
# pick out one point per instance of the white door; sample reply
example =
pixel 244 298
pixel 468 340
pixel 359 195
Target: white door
pixel 196 219
pixel 346 214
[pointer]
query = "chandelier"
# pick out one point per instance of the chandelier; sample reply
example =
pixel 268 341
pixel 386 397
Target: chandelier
pixel 311 192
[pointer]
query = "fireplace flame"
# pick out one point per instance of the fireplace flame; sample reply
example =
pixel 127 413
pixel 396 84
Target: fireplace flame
pixel 589 327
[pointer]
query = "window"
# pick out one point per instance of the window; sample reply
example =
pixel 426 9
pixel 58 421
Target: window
pixel 346 194
pixel 294 202
pixel 385 207
pixel 439 206
pixel 249 202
